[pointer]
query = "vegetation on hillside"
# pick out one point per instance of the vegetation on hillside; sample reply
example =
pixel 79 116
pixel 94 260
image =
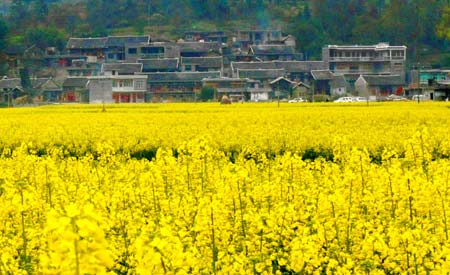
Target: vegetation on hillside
pixel 422 25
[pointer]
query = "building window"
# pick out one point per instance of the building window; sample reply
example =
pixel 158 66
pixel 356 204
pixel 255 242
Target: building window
pixel 119 83
pixel 139 84
pixel 132 51
pixel 111 56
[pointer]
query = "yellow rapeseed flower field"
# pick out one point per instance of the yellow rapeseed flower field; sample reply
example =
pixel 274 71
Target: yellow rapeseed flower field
pixel 237 189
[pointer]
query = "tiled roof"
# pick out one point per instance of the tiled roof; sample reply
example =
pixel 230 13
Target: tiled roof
pixel 322 74
pixel 122 68
pixel 105 42
pixel 300 66
pixel 10 83
pixel 199 47
pixel 289 66
pixel 75 82
pixel 206 62
pixel 155 64
pixel 272 50
pixel 120 41
pixel 261 74
pixel 181 76
pixel 378 80
pixel 253 65
pixel 338 81
pixel 36 83
pixel 87 43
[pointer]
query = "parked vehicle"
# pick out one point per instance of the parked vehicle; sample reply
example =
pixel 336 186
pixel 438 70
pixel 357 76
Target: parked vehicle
pixel 360 99
pixel 344 99
pixel 396 98
pixel 419 98
pixel 297 99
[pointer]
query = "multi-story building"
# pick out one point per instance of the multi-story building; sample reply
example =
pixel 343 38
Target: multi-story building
pixel 356 60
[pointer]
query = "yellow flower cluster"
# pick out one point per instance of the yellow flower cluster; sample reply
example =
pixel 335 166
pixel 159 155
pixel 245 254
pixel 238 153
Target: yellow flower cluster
pixel 240 189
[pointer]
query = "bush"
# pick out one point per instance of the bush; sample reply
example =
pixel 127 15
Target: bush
pixel 207 93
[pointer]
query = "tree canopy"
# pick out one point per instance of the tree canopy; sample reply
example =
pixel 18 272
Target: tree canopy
pixel 419 24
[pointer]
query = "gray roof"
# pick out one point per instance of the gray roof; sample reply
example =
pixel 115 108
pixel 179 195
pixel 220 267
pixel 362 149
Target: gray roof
pixel 199 47
pixel 322 74
pixel 181 76
pixel 289 66
pixel 338 81
pixel 122 68
pixel 75 82
pixel 272 50
pixel 261 74
pixel 282 78
pixel 36 83
pixel 120 41
pixel 10 83
pixel 253 65
pixel 300 66
pixel 380 80
pixel 206 62
pixel 155 64
pixel 87 43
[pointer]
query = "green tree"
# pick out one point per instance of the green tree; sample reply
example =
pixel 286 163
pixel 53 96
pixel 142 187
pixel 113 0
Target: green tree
pixel 43 37
pixel 4 30
pixel 443 28
pixel 18 12
pixel 207 93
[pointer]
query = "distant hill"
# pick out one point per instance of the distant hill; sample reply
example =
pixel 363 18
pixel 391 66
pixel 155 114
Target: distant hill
pixel 314 23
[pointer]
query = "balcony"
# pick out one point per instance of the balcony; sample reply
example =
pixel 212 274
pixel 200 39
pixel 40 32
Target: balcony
pixel 232 90
pixel 259 90
pixel 358 72
pixel 365 59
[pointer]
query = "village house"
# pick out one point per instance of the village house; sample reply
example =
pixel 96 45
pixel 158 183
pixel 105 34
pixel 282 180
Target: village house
pixel 238 89
pixel 200 49
pixel 116 46
pixel 177 86
pixel 115 88
pixel 10 89
pixel 257 37
pixel 328 83
pixel 93 48
pixel 213 36
pixel 121 68
pixel 46 89
pixel 75 90
pixel 274 52
pixel 103 49
pixel 283 87
pixel 379 85
pixel 43 89
pixel 299 71
pixel 153 50
pixel 79 67
pixel 355 60
pixel 156 65
pixel 202 64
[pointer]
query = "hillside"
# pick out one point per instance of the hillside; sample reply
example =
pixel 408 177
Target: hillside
pixel 314 23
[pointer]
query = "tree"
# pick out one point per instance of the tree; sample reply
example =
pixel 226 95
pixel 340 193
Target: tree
pixel 18 12
pixel 4 30
pixel 443 28
pixel 43 37
pixel 207 93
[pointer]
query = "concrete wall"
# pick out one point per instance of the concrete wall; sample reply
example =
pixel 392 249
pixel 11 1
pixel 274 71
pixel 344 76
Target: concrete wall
pixel 100 91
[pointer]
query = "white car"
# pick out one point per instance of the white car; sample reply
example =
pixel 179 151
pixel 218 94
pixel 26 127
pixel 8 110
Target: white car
pixel 297 99
pixel 344 99
pixel 360 99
